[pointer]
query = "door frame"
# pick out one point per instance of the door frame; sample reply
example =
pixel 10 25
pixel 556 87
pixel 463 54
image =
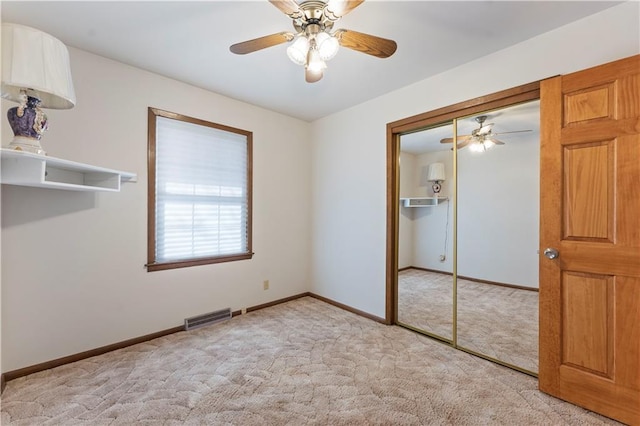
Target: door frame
pixel 504 98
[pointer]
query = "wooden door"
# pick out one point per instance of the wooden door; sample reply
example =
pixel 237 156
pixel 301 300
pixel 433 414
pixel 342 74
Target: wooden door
pixel 590 213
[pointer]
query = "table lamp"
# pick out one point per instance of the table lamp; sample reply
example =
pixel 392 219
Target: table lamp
pixel 36 74
pixel 436 175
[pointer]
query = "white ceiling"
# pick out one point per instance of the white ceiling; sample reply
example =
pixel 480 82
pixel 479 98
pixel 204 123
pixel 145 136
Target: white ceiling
pixel 189 41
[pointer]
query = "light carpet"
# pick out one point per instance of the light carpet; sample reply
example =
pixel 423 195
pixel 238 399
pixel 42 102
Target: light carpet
pixel 499 322
pixel 299 363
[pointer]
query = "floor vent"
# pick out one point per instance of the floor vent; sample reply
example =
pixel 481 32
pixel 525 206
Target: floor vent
pixel 207 319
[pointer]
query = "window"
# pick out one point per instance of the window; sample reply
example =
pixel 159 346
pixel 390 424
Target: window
pixel 199 192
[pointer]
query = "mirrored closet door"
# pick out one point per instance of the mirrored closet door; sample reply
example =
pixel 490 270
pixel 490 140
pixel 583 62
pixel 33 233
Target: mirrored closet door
pixel 425 256
pixel 468 232
pixel 497 234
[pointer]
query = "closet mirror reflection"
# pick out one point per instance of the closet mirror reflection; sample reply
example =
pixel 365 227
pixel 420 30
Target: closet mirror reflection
pixel 497 234
pixel 425 249
pixel 478 292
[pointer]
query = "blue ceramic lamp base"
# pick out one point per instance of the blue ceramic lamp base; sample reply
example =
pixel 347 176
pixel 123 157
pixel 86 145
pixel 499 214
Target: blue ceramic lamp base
pixel 28 123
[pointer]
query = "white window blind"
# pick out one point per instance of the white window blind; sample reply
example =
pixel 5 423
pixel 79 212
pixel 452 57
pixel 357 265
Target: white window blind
pixel 201 191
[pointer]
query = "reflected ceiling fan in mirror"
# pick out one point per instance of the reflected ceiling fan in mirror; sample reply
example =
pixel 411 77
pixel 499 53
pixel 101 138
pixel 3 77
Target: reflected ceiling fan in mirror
pixel 482 138
pixel 313 42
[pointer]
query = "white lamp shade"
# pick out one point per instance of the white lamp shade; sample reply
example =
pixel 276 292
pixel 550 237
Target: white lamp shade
pixel 476 147
pixel 38 63
pixel 327 46
pixel 297 52
pixel 435 172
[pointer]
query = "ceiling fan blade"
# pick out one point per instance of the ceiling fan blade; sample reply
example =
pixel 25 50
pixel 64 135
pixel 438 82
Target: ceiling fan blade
pixel 464 143
pixel 495 141
pixel 461 139
pixel 312 76
pixel 261 43
pixel 365 43
pixel 288 7
pixel 514 131
pixel 485 129
pixel 336 9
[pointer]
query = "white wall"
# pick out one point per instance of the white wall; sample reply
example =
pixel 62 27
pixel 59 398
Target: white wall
pixel 349 154
pixel 72 263
pixel 408 188
pixel 432 225
pixel 422 230
pixel 498 212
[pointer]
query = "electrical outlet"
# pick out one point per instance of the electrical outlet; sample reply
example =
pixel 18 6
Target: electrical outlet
pixel 265 285
pixel 443 258
pixel 243 311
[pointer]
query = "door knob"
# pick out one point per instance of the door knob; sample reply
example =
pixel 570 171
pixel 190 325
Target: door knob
pixel 551 253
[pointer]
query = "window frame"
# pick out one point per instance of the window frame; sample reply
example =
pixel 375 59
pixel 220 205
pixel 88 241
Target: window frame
pixel 152 264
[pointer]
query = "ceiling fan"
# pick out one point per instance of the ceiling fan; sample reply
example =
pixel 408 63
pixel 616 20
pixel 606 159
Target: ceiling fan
pixel 482 138
pixel 314 43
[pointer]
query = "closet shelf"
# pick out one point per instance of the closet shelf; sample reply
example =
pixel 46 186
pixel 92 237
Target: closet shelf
pixel 29 169
pixel 422 201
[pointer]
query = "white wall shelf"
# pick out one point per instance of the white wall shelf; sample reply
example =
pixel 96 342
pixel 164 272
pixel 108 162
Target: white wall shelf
pixel 28 169
pixel 422 201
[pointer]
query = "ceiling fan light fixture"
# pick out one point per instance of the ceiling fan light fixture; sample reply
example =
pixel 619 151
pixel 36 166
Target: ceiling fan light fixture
pixel 314 61
pixel 477 147
pixel 481 145
pixel 312 76
pixel 298 51
pixel 312 43
pixel 327 45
